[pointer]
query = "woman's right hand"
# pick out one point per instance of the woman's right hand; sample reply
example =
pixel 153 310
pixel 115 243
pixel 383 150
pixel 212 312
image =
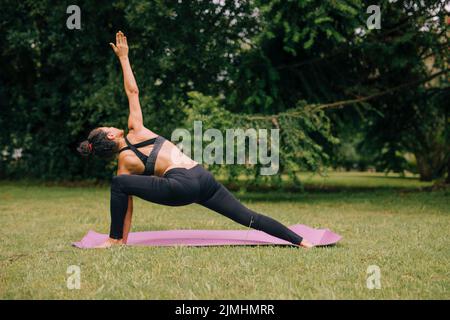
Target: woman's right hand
pixel 306 244
pixel 121 46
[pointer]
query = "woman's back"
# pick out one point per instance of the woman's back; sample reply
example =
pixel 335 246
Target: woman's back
pixel 168 156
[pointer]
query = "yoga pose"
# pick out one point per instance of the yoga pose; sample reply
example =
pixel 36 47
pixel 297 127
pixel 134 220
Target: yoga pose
pixel 154 169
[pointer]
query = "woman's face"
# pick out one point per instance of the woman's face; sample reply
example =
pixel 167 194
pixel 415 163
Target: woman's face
pixel 113 133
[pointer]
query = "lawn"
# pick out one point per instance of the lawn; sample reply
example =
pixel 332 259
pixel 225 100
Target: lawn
pixel 385 221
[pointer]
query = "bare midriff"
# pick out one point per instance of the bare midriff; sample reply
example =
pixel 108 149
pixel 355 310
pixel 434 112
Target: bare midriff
pixel 170 157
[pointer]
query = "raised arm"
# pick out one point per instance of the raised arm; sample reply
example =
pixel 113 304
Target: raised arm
pixel 127 221
pixel 135 121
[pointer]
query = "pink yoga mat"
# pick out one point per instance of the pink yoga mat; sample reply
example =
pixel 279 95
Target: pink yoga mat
pixel 318 237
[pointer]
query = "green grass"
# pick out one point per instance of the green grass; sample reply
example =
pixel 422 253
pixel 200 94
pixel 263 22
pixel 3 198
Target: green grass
pixel 385 221
pixel 362 180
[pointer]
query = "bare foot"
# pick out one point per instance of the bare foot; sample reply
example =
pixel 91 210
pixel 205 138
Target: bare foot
pixel 306 244
pixel 109 243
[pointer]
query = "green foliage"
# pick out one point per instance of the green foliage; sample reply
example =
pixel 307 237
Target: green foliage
pixel 58 84
pixel 253 61
pixel 303 132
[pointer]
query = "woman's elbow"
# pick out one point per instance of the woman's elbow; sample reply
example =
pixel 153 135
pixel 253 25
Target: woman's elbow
pixel 133 91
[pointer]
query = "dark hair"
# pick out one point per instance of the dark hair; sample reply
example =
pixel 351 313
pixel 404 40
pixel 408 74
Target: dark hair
pixel 98 143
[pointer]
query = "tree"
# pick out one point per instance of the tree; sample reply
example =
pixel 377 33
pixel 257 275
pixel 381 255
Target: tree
pixel 298 62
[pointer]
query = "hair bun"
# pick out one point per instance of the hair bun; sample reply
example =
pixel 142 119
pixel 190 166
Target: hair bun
pixel 85 148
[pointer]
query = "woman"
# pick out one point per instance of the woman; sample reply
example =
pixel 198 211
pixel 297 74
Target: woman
pixel 152 168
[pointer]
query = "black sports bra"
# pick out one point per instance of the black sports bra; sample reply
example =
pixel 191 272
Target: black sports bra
pixel 150 161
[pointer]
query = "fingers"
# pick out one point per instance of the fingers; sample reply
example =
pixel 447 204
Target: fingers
pixel 120 38
pixel 113 46
pixel 121 41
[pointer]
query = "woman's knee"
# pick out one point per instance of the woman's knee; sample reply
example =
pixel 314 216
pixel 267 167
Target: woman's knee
pixel 255 219
pixel 119 182
pixel 248 217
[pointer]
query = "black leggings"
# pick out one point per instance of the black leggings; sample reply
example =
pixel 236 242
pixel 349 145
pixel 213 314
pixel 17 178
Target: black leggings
pixel 179 187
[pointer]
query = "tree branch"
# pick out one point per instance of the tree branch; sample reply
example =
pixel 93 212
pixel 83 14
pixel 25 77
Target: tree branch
pixel 379 94
pixel 342 103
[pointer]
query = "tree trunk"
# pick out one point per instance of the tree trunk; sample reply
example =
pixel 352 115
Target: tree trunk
pixel 447 180
pixel 424 168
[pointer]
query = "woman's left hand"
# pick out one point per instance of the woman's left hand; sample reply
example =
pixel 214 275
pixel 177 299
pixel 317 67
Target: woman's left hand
pixel 110 242
pixel 121 46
